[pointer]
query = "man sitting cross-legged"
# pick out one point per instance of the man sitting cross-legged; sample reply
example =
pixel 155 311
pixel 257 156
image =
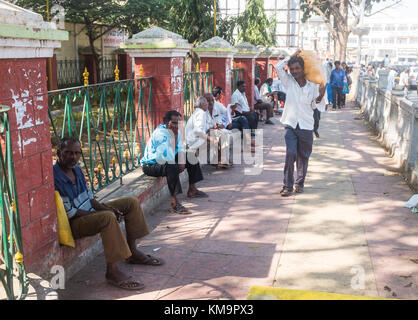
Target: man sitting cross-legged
pixel 164 157
pixel 88 217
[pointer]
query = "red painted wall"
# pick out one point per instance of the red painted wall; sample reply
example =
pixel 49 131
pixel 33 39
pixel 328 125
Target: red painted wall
pixel 24 89
pixel 221 68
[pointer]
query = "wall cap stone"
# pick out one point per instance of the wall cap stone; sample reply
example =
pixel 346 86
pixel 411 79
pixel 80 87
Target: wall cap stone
pixel 156 38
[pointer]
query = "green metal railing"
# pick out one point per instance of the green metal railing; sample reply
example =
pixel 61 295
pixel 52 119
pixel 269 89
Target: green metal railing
pixel 195 84
pixel 112 120
pixel 236 75
pixel 12 265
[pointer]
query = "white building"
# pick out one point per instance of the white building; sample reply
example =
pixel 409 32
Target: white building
pixel 286 12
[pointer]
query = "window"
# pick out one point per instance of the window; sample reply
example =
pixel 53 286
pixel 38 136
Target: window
pixel 389 41
pixel 413 41
pixel 402 41
pixel 390 27
pixel 377 28
pixel 414 27
pixel 376 41
pixel 403 27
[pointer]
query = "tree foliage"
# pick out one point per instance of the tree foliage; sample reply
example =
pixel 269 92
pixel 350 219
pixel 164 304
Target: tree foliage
pixel 254 27
pixel 193 19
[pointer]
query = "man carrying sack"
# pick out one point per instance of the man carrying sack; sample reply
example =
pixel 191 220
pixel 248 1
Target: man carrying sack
pixel 298 118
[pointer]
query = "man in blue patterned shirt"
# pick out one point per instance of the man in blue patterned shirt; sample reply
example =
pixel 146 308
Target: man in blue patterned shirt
pixel 88 217
pixel 164 156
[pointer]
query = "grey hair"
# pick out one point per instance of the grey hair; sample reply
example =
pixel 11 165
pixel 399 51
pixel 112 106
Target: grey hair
pixel 200 101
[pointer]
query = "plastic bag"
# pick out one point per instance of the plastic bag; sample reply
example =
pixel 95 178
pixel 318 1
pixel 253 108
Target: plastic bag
pixel 314 71
pixel 64 230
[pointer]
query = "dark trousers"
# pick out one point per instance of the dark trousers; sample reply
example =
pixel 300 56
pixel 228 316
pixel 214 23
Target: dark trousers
pixel 265 106
pixel 252 120
pixel 337 97
pixel 298 149
pixel 172 172
pixel 240 123
pixel 317 117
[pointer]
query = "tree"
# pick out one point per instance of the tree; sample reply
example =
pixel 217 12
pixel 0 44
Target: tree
pixel 341 18
pixel 99 17
pixel 192 19
pixel 254 26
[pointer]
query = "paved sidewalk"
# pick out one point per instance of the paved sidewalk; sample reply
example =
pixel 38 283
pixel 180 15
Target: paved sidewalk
pixel 349 225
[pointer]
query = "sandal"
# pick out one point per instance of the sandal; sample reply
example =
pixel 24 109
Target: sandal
pixel 127 284
pixel 198 194
pixel 180 209
pixel 150 261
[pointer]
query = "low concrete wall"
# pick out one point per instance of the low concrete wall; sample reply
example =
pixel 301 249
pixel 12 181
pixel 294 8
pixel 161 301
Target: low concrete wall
pixel 395 120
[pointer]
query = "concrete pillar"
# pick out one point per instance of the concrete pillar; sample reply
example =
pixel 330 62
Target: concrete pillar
pixel 245 57
pixel 160 54
pixel 217 54
pixel 25 44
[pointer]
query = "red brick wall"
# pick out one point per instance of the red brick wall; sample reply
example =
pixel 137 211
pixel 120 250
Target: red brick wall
pixel 263 63
pixel 221 68
pixel 24 89
pixel 167 84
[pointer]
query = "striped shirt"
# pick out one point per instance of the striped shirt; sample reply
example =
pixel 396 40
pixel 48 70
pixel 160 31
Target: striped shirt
pixel 76 196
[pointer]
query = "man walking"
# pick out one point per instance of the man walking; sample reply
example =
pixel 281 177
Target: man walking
pixel 337 80
pixel 298 120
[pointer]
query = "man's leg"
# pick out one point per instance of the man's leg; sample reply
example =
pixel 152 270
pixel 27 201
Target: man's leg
pixel 304 150
pixel 291 140
pixel 114 243
pixel 334 98
pixel 172 172
pixel 195 175
pixel 317 117
pixel 265 106
pixel 340 97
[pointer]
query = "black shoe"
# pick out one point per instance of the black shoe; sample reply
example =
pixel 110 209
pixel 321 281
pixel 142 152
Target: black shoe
pixel 298 189
pixel 316 134
pixel 286 192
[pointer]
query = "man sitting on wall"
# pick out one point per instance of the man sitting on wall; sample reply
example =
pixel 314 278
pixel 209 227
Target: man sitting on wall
pixel 239 97
pixel 164 157
pixel 259 104
pixel 88 217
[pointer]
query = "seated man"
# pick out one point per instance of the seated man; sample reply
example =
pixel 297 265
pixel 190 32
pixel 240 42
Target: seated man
pixel 164 157
pixel 239 97
pixel 266 92
pixel 259 104
pixel 88 217
pixel 217 130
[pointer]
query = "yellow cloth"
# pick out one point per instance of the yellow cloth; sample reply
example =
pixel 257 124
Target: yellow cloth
pixel 313 67
pixel 64 229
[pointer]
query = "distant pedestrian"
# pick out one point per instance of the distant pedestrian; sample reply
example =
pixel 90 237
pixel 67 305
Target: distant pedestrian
pixel 386 61
pixel 337 79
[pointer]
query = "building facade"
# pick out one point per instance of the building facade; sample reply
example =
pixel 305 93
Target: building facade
pixel 396 38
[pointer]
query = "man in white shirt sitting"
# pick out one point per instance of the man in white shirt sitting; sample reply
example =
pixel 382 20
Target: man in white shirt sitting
pixel 259 104
pixel 298 120
pixel 217 130
pixel 244 109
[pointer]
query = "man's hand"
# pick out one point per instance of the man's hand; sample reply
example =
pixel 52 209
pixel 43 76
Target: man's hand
pixel 181 167
pixel 297 52
pixel 119 214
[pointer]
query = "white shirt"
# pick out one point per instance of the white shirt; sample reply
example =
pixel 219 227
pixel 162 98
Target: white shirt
pixel 216 116
pixel 241 99
pixel 298 106
pixel 264 92
pixel 404 79
pixel 277 85
pixel 391 80
pixel 196 125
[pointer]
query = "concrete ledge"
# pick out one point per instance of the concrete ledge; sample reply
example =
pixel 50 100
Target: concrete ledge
pixel 150 192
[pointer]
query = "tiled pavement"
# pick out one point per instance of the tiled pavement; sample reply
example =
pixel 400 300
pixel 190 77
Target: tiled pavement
pixel 348 226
